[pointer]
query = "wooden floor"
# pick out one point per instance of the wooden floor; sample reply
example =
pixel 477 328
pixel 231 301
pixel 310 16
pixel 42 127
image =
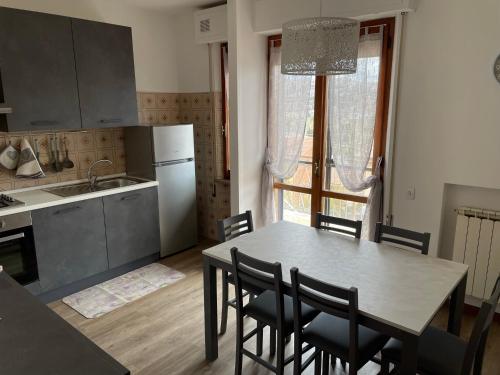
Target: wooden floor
pixel 162 333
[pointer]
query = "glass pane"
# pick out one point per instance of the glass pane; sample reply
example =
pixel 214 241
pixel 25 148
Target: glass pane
pixel 352 107
pixel 345 209
pixel 303 175
pixel 294 207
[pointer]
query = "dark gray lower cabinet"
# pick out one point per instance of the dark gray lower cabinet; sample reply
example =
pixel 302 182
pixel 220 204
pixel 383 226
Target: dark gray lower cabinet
pixel 132 227
pixel 70 242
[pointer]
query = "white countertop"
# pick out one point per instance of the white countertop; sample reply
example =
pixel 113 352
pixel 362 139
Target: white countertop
pixel 35 198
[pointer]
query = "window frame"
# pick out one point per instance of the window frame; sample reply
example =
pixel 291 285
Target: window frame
pixel 225 116
pixel 316 190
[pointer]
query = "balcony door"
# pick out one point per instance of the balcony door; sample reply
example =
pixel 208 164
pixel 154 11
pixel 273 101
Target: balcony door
pixel 316 185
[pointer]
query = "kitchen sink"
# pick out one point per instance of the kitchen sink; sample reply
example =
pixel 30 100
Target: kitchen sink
pixel 84 188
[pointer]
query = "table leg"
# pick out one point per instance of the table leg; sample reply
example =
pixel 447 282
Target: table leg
pixel 210 301
pixel 409 356
pixel 457 307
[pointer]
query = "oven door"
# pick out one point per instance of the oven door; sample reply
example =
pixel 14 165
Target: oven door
pixel 18 256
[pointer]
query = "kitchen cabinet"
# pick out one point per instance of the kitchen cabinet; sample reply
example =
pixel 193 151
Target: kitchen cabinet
pixel 105 70
pixel 132 227
pixel 37 72
pixel 70 242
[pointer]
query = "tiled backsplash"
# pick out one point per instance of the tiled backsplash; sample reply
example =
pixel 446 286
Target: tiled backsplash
pixel 84 147
pixel 204 110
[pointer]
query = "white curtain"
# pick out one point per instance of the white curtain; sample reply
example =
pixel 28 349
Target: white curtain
pixel 352 108
pixel 290 99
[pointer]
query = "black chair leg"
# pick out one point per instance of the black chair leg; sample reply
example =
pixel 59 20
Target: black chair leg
pixel 384 366
pixel 238 364
pixel 260 334
pixel 280 361
pixel 326 363
pixel 288 339
pixel 478 359
pixel 225 304
pixel 272 341
pixel 297 355
pixel 333 360
pixel 343 363
pixel 317 364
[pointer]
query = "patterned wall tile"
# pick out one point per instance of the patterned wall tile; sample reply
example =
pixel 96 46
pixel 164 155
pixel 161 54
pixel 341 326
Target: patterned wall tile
pixel 104 138
pixel 150 117
pixel 148 100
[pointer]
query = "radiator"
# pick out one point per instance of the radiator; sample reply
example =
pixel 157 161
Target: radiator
pixel 477 244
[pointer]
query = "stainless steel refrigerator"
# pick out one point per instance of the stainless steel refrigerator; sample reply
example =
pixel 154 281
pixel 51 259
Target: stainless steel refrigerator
pixel 166 154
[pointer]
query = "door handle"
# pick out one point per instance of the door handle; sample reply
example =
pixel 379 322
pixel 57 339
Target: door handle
pixel 5 110
pixel 12 237
pixel 44 123
pixel 110 120
pixel 67 210
pixel 316 168
pixel 130 197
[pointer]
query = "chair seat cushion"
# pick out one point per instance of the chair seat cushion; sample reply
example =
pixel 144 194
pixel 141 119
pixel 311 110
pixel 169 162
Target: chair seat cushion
pixel 439 352
pixel 263 309
pixel 331 333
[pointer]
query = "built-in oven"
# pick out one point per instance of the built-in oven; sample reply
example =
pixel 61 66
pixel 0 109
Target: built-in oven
pixel 17 248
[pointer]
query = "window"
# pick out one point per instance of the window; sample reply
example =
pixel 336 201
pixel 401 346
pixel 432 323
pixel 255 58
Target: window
pixel 225 108
pixel 316 185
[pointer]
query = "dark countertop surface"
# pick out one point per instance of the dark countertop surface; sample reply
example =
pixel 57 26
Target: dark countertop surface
pixel 35 340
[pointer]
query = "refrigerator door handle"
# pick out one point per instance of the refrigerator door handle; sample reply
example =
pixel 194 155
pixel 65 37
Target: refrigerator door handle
pixel 172 162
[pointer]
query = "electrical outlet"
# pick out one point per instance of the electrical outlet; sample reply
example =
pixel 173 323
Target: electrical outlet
pixel 410 193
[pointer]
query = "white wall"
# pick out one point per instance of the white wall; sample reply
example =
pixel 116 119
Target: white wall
pixel 152 32
pixel 271 14
pixel 448 128
pixel 248 108
pixel 192 59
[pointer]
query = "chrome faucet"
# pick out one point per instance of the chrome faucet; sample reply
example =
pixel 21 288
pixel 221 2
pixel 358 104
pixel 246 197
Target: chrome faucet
pixel 92 177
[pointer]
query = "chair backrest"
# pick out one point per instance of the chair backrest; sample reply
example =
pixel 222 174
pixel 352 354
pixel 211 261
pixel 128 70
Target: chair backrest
pixel 479 335
pixel 339 225
pixel 256 276
pixel 234 226
pixel 404 237
pixel 330 299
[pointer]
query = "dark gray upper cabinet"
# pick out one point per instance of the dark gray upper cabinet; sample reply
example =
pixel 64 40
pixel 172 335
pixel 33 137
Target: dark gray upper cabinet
pixel 132 226
pixel 70 242
pixel 105 70
pixel 37 71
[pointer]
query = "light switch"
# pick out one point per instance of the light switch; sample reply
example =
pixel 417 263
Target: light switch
pixel 410 193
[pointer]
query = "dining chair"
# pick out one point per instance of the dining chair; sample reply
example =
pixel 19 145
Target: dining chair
pixel 228 229
pixel 403 237
pixel 339 225
pixel 271 307
pixel 440 352
pixel 335 330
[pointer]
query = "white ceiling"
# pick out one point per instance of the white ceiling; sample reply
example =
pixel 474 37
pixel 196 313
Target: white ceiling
pixel 171 5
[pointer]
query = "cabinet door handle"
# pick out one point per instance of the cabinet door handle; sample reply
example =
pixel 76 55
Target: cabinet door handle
pixel 67 210
pixel 44 123
pixel 130 197
pixel 12 237
pixel 110 120
pixel 4 110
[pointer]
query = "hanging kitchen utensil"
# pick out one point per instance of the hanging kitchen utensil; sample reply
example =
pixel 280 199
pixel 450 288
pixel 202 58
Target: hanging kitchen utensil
pixel 58 165
pixel 67 163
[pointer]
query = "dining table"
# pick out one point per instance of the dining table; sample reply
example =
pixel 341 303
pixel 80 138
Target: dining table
pixel 400 291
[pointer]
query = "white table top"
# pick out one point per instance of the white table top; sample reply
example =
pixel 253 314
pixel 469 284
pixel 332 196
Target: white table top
pixel 397 287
